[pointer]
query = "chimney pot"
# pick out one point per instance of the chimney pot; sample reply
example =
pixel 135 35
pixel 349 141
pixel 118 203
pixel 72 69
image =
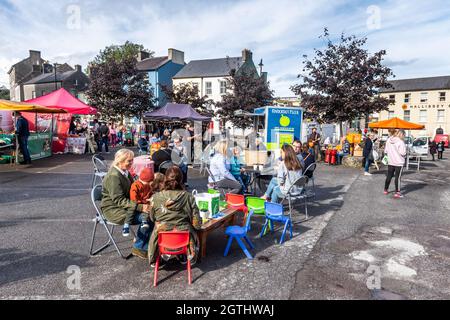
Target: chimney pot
pixel 246 55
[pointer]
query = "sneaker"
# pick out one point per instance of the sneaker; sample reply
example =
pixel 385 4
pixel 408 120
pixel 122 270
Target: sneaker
pixel 385 192
pixel 126 231
pixel 398 195
pixel 182 258
pixel 145 225
pixel 161 264
pixel 367 174
pixel 139 253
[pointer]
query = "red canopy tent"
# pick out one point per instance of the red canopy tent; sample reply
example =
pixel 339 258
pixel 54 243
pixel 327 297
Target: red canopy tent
pixel 62 99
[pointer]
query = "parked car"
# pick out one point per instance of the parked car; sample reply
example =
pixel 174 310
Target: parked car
pixel 442 137
pixel 420 145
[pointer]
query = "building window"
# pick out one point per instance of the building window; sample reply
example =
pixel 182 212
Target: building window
pixel 208 88
pixel 423 116
pixel 33 95
pixel 223 87
pixel 407 97
pixel 440 115
pixel 390 114
pixel 407 115
pixel 441 96
pixel 424 97
pixel 392 99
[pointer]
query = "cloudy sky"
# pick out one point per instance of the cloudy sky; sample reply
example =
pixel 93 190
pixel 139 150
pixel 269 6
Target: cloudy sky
pixel 415 33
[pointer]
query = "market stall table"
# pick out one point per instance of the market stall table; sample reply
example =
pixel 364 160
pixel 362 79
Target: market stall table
pixel 228 218
pixel 142 162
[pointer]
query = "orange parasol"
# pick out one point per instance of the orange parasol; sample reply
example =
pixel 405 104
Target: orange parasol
pixel 396 123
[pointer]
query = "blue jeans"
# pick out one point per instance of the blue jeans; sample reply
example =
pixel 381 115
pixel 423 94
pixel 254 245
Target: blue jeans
pixel 273 183
pixel 142 238
pixel 23 145
pixel 103 141
pixel 243 180
pixel 277 195
pixel 366 167
pixel 184 170
pixel 340 155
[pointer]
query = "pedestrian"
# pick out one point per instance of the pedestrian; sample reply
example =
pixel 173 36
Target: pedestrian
pixel 112 134
pixel 103 132
pixel 315 139
pixel 368 154
pixel 395 150
pixel 440 149
pixel 433 147
pixel 23 132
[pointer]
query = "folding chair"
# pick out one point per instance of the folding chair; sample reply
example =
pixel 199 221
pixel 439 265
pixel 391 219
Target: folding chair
pixel 239 233
pixel 172 243
pixel 293 195
pixel 214 184
pixel 309 173
pixel 100 168
pixel 96 196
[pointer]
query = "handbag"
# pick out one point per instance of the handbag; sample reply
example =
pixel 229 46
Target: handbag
pixel 385 160
pixel 375 155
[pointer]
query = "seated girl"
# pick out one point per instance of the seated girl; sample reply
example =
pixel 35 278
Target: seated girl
pixel 238 171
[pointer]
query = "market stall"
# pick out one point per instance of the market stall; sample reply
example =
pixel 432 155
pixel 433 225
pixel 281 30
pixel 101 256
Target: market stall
pixel 61 140
pixel 39 142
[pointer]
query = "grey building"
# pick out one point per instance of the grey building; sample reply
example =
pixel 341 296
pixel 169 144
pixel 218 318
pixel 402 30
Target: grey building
pixel 34 77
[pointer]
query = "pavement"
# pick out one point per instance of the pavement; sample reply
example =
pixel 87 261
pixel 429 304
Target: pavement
pixel 46 225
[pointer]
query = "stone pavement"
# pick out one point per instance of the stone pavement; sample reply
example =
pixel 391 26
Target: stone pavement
pixel 45 224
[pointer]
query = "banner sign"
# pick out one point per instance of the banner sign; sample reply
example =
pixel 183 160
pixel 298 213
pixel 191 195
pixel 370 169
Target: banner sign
pixel 39 145
pixel 283 125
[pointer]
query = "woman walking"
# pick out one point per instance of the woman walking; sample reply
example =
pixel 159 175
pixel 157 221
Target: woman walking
pixel 396 152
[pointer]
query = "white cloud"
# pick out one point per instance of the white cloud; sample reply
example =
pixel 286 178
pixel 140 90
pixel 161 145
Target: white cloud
pixel 279 31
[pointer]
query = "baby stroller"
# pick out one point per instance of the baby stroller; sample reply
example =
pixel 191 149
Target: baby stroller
pixel 143 146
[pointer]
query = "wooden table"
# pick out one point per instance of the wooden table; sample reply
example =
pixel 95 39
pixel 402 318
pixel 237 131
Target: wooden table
pixel 229 218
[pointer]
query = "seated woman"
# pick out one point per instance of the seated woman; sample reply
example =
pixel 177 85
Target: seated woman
pixel 116 203
pixel 289 171
pixel 345 150
pixel 162 155
pixel 237 170
pixel 174 208
pixel 220 173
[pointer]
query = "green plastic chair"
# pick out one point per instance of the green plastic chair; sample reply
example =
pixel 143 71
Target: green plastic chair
pixel 257 205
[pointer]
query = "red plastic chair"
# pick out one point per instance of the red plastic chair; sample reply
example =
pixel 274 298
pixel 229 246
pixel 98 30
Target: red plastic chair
pixel 236 201
pixel 172 243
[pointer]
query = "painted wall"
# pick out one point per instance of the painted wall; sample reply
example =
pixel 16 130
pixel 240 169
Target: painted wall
pixel 163 76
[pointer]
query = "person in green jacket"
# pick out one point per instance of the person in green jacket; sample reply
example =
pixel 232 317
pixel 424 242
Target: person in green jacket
pixel 116 203
pixel 174 208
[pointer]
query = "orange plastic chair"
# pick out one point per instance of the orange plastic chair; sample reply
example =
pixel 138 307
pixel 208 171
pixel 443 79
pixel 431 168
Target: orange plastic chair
pixel 172 243
pixel 236 201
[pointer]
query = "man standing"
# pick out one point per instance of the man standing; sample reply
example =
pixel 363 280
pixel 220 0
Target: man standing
pixel 104 136
pixel 315 139
pixel 23 132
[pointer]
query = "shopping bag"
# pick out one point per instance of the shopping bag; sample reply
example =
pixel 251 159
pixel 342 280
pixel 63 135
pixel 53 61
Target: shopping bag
pixel 375 155
pixel 207 202
pixel 385 160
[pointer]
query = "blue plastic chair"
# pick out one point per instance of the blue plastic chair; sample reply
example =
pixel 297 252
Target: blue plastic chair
pixel 239 233
pixel 274 213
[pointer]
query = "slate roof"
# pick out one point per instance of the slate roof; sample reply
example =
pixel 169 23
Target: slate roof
pixel 50 77
pixel 152 63
pixel 419 84
pixel 209 68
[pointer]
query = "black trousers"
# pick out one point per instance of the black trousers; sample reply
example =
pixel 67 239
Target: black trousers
pixel 231 186
pixel 440 154
pixel 393 170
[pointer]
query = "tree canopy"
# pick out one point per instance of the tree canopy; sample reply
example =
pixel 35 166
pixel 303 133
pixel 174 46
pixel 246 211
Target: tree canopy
pixel 342 82
pixel 245 91
pixel 117 88
pixel 4 93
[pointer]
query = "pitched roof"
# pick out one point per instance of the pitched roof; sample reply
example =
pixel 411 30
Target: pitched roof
pixel 152 63
pixel 50 77
pixel 209 68
pixel 419 84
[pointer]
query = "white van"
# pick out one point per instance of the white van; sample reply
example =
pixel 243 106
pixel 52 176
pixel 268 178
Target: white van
pixel 420 146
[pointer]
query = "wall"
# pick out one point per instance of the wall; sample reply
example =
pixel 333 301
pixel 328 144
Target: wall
pixel 165 74
pixel 432 106
pixel 38 88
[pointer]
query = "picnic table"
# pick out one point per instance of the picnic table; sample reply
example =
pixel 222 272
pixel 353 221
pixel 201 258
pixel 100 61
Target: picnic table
pixel 228 218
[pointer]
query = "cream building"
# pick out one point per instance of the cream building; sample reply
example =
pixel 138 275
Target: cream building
pixel 211 75
pixel 423 100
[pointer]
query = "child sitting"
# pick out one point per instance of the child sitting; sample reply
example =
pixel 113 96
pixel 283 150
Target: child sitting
pixel 140 192
pixel 237 170
pixel 157 183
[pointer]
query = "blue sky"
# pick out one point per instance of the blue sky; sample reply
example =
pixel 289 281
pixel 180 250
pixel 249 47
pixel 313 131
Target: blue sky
pixel 415 34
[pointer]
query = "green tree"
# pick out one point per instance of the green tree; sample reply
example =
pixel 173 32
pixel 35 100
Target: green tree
pixel 117 88
pixel 341 83
pixel 245 91
pixel 4 93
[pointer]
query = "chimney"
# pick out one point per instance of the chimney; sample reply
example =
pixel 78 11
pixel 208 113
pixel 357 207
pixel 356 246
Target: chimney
pixel 35 57
pixel 176 56
pixel 142 55
pixel 246 55
pixel 78 68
